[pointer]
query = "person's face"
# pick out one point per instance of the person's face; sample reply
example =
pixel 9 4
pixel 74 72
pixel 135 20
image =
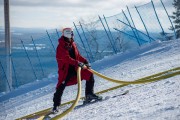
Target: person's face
pixel 68 33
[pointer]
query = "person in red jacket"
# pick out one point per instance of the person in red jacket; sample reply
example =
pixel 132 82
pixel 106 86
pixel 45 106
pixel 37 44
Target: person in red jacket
pixel 69 59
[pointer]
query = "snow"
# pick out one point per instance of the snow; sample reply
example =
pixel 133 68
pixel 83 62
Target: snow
pixel 153 101
pixel 31 47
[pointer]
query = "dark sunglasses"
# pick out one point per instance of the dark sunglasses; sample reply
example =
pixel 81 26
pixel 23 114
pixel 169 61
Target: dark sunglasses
pixel 72 34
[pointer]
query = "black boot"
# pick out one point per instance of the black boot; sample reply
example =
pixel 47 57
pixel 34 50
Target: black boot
pixel 92 97
pixel 89 92
pixel 57 98
pixel 55 109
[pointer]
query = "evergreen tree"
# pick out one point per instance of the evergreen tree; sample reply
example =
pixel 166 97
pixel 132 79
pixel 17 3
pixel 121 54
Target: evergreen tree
pixel 176 17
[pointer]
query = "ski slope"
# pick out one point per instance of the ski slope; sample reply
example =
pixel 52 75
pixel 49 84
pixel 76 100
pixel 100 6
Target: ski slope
pixel 152 101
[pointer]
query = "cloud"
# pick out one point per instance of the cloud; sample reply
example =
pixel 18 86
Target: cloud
pixel 80 3
pixel 52 13
pixel 72 3
pixel 51 3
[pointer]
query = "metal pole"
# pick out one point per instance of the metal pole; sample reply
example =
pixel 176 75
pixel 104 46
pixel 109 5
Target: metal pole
pixel 50 40
pixel 131 28
pixel 82 42
pixel 110 32
pixel 107 35
pixel 143 23
pixel 8 43
pixel 135 28
pixel 57 33
pixel 158 18
pixel 128 34
pixel 15 73
pixel 169 19
pixel 133 22
pixel 5 77
pixel 87 41
pixel 29 59
pixel 37 55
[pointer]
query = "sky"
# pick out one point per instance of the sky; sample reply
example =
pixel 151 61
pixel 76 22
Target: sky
pixel 61 13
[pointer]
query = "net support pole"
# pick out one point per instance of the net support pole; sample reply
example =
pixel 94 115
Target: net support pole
pixel 143 23
pixel 163 33
pixel 82 42
pixel 108 36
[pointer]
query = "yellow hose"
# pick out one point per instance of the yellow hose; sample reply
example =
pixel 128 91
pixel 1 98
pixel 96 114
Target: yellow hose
pixel 126 82
pixel 77 97
pixel 155 77
pixel 112 80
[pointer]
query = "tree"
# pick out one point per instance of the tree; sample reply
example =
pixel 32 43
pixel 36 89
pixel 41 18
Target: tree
pixel 176 17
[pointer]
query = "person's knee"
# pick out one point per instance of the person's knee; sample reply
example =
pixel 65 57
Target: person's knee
pixel 60 89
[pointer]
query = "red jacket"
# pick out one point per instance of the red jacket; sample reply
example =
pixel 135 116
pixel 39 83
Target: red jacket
pixel 64 60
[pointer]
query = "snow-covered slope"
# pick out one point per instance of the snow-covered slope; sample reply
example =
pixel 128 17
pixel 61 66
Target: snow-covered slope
pixel 152 101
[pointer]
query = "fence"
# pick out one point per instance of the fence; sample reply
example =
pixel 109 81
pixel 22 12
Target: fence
pixel 33 57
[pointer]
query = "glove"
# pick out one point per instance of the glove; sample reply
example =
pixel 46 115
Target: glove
pixel 82 65
pixel 88 65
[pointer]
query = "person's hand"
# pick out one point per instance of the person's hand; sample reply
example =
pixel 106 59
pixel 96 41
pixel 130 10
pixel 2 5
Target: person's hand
pixel 82 65
pixel 88 65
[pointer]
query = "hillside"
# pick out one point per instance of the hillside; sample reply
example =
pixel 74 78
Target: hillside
pixel 152 101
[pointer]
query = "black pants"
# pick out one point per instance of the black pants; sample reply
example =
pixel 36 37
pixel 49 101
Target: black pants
pixel 59 91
